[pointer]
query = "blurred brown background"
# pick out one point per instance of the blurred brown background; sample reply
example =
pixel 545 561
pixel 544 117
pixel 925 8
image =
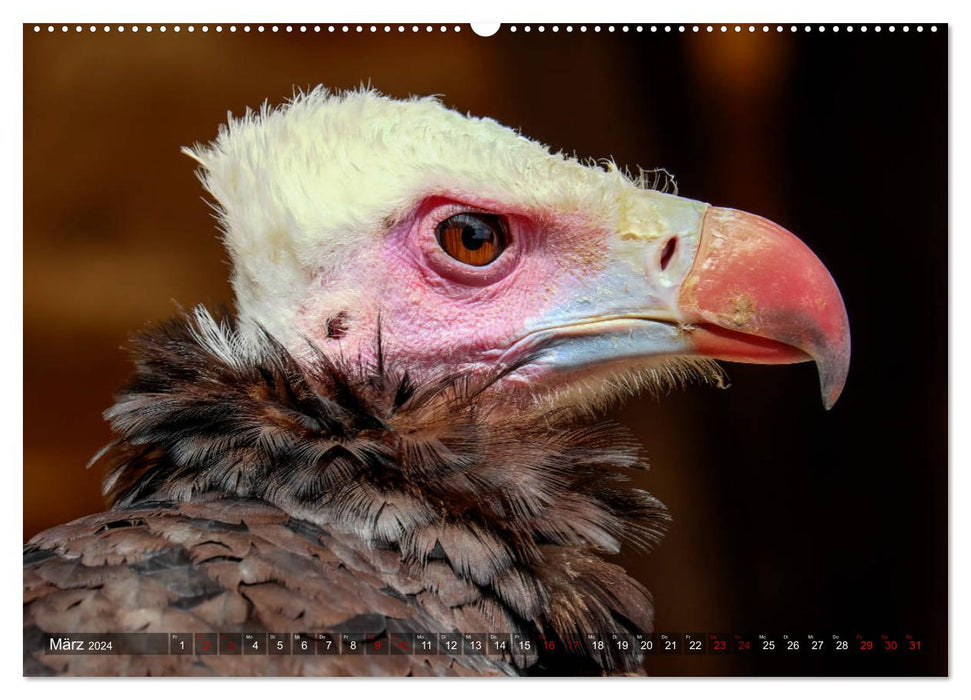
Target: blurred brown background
pixel 786 518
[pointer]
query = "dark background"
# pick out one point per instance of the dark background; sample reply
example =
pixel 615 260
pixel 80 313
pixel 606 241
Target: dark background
pixel 787 518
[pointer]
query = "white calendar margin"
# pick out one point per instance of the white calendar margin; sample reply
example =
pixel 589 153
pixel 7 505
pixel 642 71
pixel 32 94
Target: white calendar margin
pixel 440 11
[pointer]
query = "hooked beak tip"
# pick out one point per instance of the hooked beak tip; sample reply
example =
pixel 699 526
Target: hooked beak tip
pixel 765 298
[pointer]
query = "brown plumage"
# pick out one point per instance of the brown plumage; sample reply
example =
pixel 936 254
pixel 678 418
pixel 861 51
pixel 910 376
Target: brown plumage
pixel 252 494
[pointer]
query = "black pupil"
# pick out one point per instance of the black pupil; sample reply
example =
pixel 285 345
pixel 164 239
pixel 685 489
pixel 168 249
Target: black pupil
pixel 475 232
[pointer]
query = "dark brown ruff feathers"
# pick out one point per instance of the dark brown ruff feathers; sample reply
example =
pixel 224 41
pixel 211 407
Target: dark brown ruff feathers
pixel 252 493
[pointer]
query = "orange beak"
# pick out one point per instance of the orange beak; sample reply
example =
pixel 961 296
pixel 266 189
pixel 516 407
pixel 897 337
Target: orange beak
pixel 756 293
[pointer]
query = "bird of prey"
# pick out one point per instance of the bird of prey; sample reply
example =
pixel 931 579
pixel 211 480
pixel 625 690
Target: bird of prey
pixel 395 431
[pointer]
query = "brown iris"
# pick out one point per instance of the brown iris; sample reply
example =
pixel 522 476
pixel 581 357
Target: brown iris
pixel 473 239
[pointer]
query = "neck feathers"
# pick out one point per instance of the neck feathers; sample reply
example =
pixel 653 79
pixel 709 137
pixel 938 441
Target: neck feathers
pixel 520 505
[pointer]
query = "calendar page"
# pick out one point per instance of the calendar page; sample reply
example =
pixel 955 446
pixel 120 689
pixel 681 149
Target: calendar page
pixel 512 350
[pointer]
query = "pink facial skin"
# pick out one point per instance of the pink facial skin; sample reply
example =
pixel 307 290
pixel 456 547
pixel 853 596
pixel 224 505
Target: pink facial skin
pixel 591 301
pixel 438 314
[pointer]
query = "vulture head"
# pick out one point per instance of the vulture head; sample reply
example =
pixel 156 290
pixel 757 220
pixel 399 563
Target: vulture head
pixel 470 248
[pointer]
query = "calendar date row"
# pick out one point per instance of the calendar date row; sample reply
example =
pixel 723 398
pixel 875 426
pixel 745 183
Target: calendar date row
pixel 485 644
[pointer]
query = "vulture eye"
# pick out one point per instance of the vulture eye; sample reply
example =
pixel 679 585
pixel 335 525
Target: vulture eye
pixel 473 239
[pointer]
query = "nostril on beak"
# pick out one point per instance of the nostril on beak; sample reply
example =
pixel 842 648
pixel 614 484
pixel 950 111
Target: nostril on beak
pixel 668 252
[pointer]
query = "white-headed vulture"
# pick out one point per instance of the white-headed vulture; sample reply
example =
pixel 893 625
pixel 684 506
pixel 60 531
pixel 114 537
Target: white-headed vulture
pixel 393 433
